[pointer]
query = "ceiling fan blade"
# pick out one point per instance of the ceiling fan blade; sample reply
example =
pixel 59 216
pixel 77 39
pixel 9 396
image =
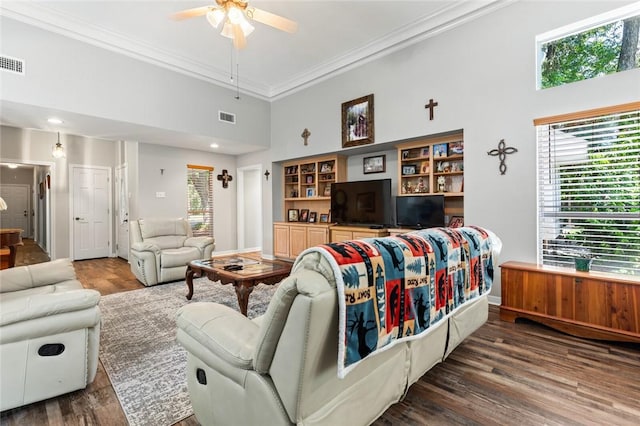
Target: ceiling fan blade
pixel 190 13
pixel 272 20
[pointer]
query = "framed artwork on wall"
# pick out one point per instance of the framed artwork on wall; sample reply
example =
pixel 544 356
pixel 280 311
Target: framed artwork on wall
pixel 376 164
pixel 357 122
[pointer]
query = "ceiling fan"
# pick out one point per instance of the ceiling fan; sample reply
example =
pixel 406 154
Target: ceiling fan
pixel 235 15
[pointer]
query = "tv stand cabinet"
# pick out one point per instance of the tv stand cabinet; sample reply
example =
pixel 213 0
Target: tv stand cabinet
pixel 593 305
pixel 342 233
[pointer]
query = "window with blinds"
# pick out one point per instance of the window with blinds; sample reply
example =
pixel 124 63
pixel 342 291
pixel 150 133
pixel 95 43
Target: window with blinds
pixel 200 199
pixel 589 188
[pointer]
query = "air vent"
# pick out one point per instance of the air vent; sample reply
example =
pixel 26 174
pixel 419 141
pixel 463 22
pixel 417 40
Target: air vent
pixel 14 65
pixel 227 117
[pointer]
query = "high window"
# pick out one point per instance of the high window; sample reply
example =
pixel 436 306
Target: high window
pixel 598 46
pixel 589 188
pixel 200 199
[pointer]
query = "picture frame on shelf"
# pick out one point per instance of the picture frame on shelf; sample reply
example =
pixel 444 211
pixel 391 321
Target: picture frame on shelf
pixel 326 168
pixel 425 152
pixel 424 167
pixel 456 222
pixel 312 217
pixel 304 215
pixel 324 217
pixel 440 150
pixel 409 169
pixel 327 190
pixel 456 148
pixel 357 122
pixel 310 179
pixel 375 164
pixel 311 192
pixel 292 215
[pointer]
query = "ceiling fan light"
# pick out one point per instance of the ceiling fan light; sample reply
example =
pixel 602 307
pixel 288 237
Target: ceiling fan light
pixel 215 16
pixel 227 30
pixel 235 15
pixel 247 28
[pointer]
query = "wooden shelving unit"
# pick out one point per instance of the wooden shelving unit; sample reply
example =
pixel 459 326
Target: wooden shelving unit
pixel 434 166
pixel 307 186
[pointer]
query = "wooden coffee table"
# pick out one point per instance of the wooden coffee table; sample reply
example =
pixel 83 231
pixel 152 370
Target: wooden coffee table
pixel 244 272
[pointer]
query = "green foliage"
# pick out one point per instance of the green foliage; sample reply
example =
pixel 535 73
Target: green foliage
pixel 607 172
pixel 582 56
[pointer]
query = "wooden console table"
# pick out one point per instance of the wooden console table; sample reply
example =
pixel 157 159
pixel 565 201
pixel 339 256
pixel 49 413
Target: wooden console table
pixel 10 238
pixel 593 305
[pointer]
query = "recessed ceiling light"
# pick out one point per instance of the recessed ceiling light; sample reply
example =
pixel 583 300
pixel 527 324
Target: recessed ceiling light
pixel 54 120
pixel 214 145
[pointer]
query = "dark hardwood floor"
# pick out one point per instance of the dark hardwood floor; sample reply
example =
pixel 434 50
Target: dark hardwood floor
pixel 503 374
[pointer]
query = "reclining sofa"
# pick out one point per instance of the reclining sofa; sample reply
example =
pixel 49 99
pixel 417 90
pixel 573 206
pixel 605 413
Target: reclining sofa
pixel 49 333
pixel 162 248
pixel 281 368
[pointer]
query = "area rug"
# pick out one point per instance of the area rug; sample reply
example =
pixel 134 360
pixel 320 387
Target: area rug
pixel 139 351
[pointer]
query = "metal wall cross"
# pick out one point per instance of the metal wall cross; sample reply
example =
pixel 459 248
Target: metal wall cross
pixel 225 177
pixel 501 153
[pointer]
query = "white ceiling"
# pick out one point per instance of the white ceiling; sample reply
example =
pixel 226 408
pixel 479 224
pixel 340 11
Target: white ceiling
pixel 333 36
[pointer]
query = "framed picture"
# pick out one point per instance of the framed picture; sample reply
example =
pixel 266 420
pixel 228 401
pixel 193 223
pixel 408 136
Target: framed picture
pixel 311 192
pixel 310 179
pixel 326 168
pixel 409 169
pixel 376 164
pixel 324 217
pixel 312 217
pixel 440 150
pixel 456 222
pixel 304 215
pixel 327 190
pixel 424 167
pixel 357 122
pixel 292 215
pixel 425 152
pixel 456 148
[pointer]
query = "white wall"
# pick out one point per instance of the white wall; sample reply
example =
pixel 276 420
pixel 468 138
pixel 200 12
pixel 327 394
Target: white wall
pixel 173 182
pixel 73 76
pixel 482 75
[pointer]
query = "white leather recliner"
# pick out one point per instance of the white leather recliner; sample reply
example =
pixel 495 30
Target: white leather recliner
pixel 162 248
pixel 49 333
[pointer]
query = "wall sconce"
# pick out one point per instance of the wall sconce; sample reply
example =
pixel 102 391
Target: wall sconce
pixel 58 149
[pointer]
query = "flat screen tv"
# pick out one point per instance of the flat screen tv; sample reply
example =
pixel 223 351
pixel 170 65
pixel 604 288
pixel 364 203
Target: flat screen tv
pixel 362 203
pixel 419 212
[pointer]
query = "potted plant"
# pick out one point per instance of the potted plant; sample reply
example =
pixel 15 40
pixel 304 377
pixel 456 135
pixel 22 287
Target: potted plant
pixel 583 259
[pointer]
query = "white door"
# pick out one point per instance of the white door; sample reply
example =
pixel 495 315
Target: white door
pixel 91 213
pixel 18 210
pixel 122 213
pixel 249 207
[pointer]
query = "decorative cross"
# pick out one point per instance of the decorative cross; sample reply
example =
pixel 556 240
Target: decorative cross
pixel 225 177
pixel 305 135
pixel 430 106
pixel 266 174
pixel 501 153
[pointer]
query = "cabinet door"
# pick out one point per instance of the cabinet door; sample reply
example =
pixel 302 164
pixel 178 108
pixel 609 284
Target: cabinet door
pixel 281 240
pixel 298 240
pixel 317 236
pixel 337 235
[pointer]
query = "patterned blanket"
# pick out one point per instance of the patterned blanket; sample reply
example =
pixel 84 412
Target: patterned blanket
pixel 395 288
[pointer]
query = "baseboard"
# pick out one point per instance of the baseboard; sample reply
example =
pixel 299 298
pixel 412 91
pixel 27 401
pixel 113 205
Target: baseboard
pixel 249 250
pixel 494 300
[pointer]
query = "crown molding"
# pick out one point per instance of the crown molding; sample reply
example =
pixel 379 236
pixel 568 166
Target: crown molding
pixel 450 16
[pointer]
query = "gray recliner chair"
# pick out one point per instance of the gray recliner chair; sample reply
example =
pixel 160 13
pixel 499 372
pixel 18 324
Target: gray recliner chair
pixel 49 333
pixel 162 248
